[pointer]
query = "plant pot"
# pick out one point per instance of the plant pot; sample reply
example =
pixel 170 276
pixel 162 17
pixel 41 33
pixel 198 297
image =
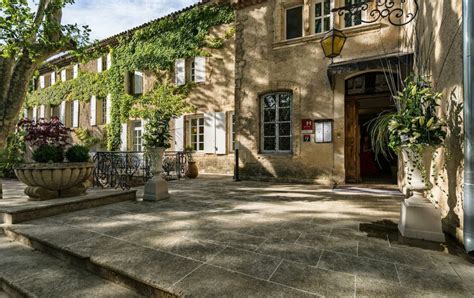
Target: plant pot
pixel 54 180
pixel 192 171
pixel 419 218
pixel 156 188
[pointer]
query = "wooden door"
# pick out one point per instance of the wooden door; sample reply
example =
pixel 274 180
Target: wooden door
pixel 352 141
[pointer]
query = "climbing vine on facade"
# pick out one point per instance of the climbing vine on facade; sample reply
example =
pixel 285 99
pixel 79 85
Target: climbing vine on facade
pixel 152 49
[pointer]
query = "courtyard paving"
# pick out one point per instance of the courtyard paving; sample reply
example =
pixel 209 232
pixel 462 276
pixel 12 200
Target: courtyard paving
pixel 216 237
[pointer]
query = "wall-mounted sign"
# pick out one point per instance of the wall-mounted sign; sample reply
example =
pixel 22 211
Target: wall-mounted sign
pixel 323 131
pixel 307 138
pixel 307 125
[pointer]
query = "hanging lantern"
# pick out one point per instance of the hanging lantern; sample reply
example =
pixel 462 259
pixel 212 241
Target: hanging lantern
pixel 333 43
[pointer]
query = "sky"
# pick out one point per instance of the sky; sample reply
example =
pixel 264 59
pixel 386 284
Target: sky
pixel 109 17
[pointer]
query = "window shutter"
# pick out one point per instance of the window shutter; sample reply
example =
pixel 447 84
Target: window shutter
pixel 137 82
pixel 179 134
pixel 75 71
pixel 99 65
pixel 124 137
pixel 75 119
pixel 53 78
pixel 35 113
pixel 42 82
pixel 221 132
pixel 25 113
pixel 108 106
pixel 93 110
pixel 109 60
pixel 63 75
pixel 200 69
pixel 209 133
pixel 62 112
pixel 180 72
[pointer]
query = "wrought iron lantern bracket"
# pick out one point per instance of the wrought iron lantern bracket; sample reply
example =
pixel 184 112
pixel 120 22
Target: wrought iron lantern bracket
pixel 382 9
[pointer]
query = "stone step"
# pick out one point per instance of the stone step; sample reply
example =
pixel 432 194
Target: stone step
pixel 120 269
pixel 25 272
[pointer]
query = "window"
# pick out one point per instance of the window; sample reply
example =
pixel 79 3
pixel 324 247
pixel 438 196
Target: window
pixel 232 132
pixel 104 63
pixel 294 22
pixel 69 74
pixel 137 136
pixel 354 19
pixel 71 114
pixel 193 71
pixel 197 133
pixel 104 111
pixel 322 16
pixel 56 111
pixel 276 124
pixel 136 83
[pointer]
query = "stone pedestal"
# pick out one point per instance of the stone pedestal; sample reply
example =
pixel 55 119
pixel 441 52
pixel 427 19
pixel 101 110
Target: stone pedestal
pixel 156 189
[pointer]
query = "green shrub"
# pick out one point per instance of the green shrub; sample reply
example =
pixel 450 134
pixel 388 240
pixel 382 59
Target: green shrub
pixel 12 155
pixel 77 153
pixel 47 153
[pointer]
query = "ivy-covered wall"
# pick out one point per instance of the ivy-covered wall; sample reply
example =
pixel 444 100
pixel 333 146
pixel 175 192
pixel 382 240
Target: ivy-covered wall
pixel 152 49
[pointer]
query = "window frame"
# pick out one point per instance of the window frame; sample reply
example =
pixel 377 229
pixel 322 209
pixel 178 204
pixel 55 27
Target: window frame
pixel 322 17
pixel 192 68
pixel 103 111
pixel 277 123
pixel 198 135
pixel 231 122
pixel 137 128
pixel 285 23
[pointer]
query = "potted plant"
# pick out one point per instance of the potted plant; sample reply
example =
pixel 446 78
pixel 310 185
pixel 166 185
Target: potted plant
pixel 415 131
pixel 192 170
pixel 156 140
pixel 49 177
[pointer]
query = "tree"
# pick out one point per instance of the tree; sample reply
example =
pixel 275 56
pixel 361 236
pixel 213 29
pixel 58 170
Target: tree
pixel 28 39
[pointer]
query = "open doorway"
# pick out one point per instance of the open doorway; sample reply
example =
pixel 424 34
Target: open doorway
pixel 367 96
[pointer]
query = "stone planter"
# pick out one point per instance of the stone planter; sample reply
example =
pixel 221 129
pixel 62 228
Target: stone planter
pixel 193 170
pixel 156 188
pixel 54 180
pixel 419 218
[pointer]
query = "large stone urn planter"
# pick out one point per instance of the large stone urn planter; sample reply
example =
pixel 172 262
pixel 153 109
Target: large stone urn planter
pixel 419 218
pixel 54 180
pixel 156 188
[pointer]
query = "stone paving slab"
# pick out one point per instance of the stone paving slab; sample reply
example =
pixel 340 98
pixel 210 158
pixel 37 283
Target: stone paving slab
pixel 215 237
pixel 31 273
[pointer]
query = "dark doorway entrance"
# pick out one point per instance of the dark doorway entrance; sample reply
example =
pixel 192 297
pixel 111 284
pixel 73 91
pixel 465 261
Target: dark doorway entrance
pixel 367 96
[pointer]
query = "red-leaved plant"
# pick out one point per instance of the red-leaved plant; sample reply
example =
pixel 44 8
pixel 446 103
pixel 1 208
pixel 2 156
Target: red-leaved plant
pixel 43 132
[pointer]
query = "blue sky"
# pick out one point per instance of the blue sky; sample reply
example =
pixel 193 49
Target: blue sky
pixel 109 17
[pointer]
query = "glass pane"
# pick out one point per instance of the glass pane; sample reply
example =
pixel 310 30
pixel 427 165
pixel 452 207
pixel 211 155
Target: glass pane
pixel 193 130
pixel 194 146
pixel 269 116
pixel 284 114
pixel 317 26
pixel 201 146
pixel 294 22
pixel 193 122
pixel 194 138
pixel 317 10
pixel 284 144
pixel 269 144
pixel 358 18
pixel 201 129
pixel 269 130
pixel 327 7
pixel 201 121
pixel 284 100
pixel 269 102
pixel 347 20
pixel 284 129
pixel 327 24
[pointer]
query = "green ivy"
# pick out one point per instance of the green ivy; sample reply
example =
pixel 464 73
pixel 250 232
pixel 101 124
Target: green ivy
pixel 153 49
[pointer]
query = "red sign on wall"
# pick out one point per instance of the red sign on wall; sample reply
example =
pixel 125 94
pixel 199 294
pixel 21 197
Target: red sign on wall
pixel 307 125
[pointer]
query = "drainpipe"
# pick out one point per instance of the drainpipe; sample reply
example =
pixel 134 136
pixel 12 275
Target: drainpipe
pixel 468 37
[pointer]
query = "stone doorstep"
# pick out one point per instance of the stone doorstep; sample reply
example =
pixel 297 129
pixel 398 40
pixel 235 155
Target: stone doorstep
pixel 104 272
pixel 59 206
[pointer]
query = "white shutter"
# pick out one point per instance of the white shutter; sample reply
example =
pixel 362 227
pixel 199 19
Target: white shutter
pixel 221 133
pixel 63 75
pixel 35 113
pixel 75 71
pixel 138 82
pixel 62 112
pixel 108 106
pixel 180 72
pixel 93 110
pixel 109 60
pixel 42 111
pixel 209 133
pixel 179 134
pixel 200 69
pixel 124 137
pixel 75 118
pixel 53 78
pixel 25 113
pixel 99 65
pixel 42 82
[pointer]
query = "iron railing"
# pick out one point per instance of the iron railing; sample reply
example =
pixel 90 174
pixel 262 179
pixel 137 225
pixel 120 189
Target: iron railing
pixel 127 169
